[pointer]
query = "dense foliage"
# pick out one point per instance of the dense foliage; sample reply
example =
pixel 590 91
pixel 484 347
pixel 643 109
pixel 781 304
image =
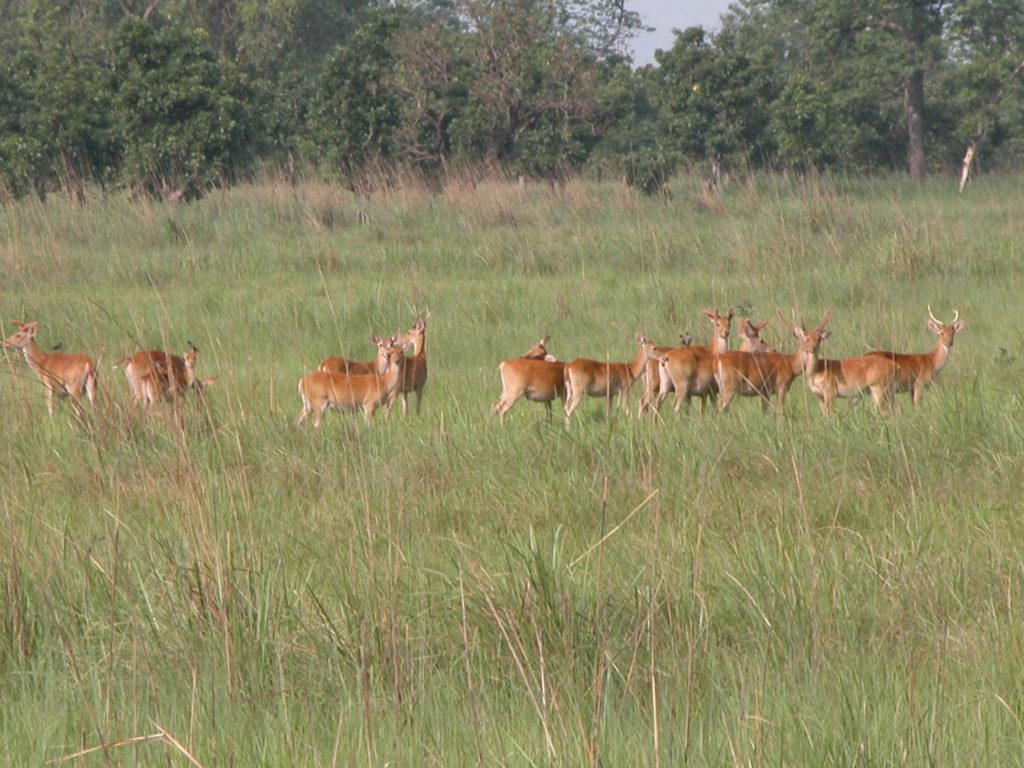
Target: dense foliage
pixel 174 96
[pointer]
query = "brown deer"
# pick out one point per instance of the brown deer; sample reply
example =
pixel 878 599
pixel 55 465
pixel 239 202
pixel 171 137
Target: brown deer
pixel 415 376
pixel 604 379
pixel 850 377
pixel 689 371
pixel 155 375
pixel 364 392
pixel 915 372
pixel 344 365
pixel 62 374
pixel 536 375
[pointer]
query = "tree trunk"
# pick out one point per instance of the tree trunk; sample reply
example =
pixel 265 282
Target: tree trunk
pixel 913 104
pixel 965 167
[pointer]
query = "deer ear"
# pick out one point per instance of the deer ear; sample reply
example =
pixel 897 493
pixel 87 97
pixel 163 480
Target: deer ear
pixel 934 327
pixel 825 334
pixel 959 325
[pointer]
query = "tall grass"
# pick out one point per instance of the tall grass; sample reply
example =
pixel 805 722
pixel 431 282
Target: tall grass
pixel 212 585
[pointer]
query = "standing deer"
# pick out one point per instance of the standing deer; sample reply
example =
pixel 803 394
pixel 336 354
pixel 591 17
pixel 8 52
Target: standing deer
pixel 344 365
pixel 155 375
pixel 915 372
pixel 535 375
pixel 364 392
pixel 850 377
pixel 62 374
pixel 415 376
pixel 750 336
pixel 603 379
pixel 689 371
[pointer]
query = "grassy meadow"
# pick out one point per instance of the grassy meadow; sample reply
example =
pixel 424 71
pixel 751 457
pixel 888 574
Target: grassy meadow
pixel 213 586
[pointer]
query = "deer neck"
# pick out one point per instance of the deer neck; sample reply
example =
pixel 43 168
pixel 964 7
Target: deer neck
pixel 636 368
pixel 419 345
pixel 940 356
pixel 808 361
pixel 719 345
pixel 34 356
pixel 393 375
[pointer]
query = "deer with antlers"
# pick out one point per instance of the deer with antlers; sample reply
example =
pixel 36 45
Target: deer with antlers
pixel 61 374
pixel 914 372
pixel 850 377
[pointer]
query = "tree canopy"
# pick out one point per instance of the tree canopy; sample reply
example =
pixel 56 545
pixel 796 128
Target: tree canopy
pixel 177 96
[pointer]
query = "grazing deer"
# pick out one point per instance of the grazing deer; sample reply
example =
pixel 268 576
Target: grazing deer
pixel 915 372
pixel 364 392
pixel 344 365
pixel 850 377
pixel 603 379
pixel 690 371
pixel 62 374
pixel 415 376
pixel 535 375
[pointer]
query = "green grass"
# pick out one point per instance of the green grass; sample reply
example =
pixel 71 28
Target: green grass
pixel 221 586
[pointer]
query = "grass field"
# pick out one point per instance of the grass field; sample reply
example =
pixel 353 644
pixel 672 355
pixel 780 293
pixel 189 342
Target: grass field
pixel 217 587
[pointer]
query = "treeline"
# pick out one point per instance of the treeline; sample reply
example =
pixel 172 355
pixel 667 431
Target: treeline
pixel 178 96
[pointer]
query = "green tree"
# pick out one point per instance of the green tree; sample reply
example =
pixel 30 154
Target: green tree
pixel 356 112
pixel 180 113
pixel 55 126
pixel 987 87
pixel 713 98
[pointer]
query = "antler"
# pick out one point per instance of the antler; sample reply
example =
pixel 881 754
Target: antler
pixel 824 321
pixel 934 319
pixel 785 322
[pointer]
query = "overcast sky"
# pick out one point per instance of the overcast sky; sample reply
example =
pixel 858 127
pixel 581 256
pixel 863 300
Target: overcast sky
pixel 664 15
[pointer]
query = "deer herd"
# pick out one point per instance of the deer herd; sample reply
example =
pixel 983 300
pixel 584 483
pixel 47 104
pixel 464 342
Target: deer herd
pixel 400 369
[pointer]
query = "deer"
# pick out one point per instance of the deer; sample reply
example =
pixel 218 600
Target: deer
pixel 915 372
pixel 155 375
pixel 849 377
pixel 415 375
pixel 62 374
pixel 536 375
pixel 344 365
pixel 758 371
pixel 659 381
pixel 689 371
pixel 603 379
pixel 539 351
pixel 353 392
pixel 750 336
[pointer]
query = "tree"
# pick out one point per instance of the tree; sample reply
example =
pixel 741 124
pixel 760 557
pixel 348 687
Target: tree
pixel 988 43
pixel 712 98
pixel 55 124
pixel 356 112
pixel 180 113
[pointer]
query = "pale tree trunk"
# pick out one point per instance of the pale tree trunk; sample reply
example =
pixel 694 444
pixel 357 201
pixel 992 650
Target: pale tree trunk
pixel 965 166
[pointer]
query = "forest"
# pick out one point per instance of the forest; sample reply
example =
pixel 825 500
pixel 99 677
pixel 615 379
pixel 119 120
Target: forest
pixel 177 97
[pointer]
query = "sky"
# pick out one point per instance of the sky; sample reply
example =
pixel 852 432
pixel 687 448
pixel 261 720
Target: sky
pixel 664 15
